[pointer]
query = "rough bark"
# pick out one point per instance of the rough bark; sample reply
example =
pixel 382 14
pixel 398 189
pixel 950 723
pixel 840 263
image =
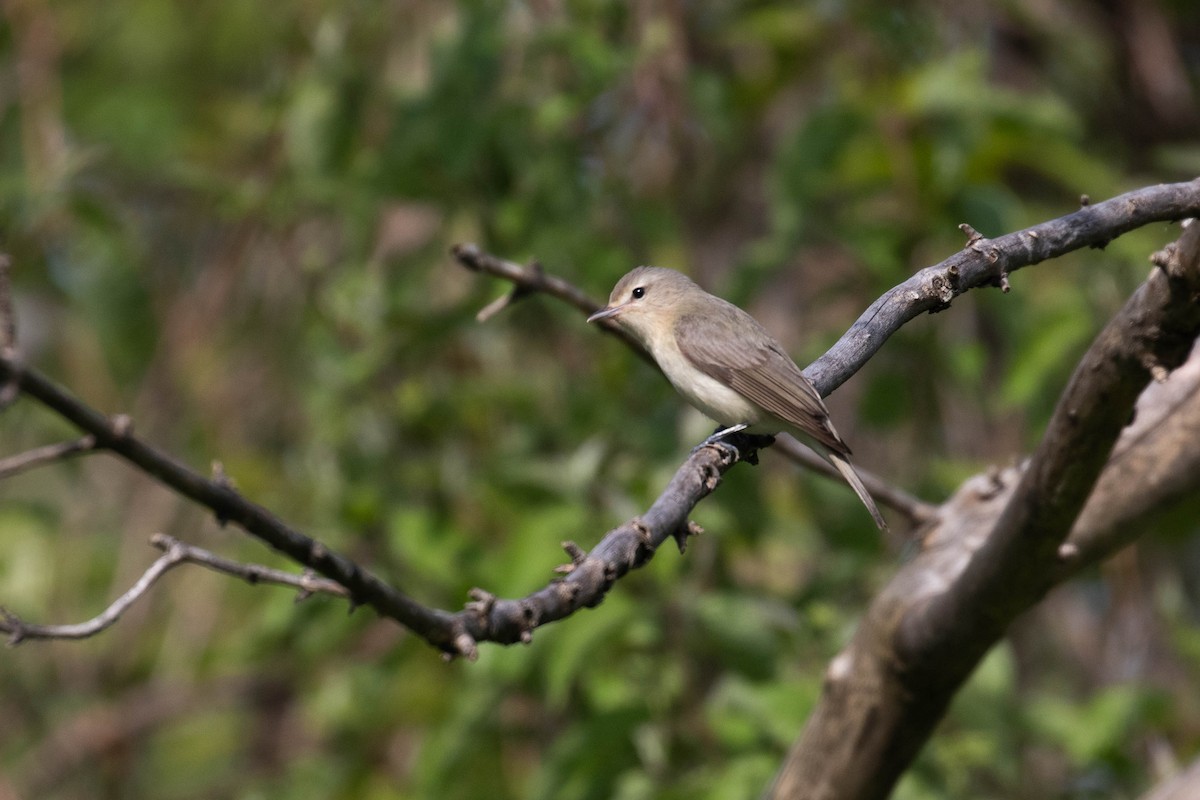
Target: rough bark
pixel 1002 541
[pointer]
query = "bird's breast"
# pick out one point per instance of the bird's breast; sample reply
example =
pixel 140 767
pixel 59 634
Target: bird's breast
pixel 716 400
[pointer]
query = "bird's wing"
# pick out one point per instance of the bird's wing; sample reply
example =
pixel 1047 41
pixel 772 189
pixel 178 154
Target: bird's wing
pixel 756 367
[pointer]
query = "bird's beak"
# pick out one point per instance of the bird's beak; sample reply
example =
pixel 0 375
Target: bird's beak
pixel 605 313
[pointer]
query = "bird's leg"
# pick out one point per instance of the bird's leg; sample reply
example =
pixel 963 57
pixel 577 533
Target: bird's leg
pixel 750 442
pixel 719 434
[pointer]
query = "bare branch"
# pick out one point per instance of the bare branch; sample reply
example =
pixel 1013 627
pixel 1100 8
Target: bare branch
pixel 116 435
pixel 984 262
pixel 996 549
pixel 174 554
pixel 308 583
pixel 19 630
pixel 989 262
pixel 1153 333
pixel 47 454
pixel 535 279
pixel 589 576
pixel 1156 463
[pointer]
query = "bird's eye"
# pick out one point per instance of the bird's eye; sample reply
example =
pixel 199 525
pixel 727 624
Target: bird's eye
pixel 639 293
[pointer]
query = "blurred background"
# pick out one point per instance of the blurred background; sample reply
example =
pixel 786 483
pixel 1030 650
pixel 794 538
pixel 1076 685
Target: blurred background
pixel 231 221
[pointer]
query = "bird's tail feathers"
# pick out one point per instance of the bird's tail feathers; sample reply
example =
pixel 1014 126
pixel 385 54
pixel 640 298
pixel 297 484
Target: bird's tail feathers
pixel 843 465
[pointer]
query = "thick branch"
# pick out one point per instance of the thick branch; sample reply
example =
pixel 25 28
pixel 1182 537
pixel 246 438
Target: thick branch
pixel 1156 461
pixel 1185 785
pixel 997 548
pixel 1152 335
pixel 1154 465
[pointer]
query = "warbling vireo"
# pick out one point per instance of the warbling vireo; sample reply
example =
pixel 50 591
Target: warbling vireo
pixel 726 364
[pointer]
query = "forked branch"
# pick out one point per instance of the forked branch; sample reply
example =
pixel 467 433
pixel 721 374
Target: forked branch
pixel 983 262
pixel 175 553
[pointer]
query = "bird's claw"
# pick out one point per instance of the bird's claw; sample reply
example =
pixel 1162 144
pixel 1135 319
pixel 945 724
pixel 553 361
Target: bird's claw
pixel 719 435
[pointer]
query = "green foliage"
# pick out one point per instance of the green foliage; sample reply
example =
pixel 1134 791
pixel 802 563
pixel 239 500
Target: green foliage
pixel 231 221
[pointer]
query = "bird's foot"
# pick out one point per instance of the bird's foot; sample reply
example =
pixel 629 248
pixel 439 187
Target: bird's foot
pixel 744 445
pixel 721 433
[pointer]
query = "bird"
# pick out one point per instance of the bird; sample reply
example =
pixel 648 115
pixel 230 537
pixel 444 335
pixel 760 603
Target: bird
pixel 726 364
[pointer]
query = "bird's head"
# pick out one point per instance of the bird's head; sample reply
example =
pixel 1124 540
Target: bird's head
pixel 648 299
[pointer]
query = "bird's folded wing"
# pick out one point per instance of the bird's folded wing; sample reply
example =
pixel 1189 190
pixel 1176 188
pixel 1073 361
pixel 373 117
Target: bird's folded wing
pixel 759 370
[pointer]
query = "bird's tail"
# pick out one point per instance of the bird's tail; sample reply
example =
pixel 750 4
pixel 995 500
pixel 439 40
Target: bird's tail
pixel 844 466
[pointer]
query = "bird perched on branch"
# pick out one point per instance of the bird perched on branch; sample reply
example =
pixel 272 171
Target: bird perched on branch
pixel 725 364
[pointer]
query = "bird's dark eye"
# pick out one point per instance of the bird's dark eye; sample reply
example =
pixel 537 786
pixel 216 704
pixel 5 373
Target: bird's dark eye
pixel 639 293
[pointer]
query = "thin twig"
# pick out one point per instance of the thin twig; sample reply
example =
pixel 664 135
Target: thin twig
pixel 531 278
pixel 308 583
pixel 44 455
pixel 18 630
pixel 174 554
pixel 916 510
pixel 528 280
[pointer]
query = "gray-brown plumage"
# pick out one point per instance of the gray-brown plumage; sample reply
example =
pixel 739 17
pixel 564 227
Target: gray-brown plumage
pixel 726 364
